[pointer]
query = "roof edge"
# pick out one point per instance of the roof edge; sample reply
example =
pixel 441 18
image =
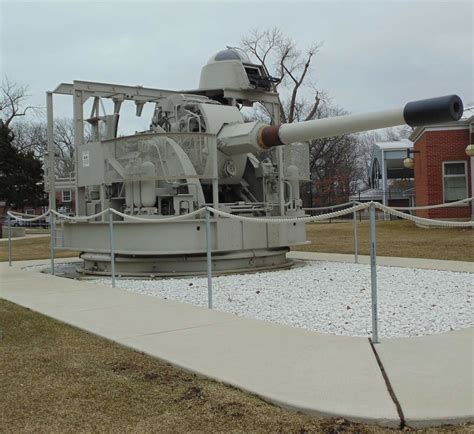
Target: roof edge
pixel 461 124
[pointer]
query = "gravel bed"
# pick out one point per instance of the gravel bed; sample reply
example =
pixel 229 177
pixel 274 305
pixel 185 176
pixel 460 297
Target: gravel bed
pixel 332 297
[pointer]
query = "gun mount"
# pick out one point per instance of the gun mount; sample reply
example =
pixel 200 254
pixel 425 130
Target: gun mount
pixel 199 150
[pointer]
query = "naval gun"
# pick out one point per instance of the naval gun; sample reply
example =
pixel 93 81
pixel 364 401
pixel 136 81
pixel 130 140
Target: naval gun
pixel 198 151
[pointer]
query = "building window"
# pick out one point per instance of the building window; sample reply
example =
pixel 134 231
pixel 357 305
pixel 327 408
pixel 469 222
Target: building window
pixel 454 180
pixel 30 211
pixel 66 196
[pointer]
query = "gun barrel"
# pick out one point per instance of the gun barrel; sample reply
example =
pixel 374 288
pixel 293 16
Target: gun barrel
pixel 415 113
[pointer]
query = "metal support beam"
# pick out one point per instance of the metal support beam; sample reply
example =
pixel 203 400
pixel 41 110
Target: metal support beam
pixel 52 228
pixel 209 259
pixel 78 114
pixel 112 247
pixel 385 191
pixel 373 275
pixel 215 175
pixel 356 241
pixel 281 180
pixel 51 150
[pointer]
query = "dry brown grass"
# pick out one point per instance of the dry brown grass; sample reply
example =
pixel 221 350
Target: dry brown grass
pixel 394 238
pixel 31 248
pixel 55 378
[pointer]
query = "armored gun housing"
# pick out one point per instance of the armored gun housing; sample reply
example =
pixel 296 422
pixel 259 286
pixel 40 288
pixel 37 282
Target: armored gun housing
pixel 199 151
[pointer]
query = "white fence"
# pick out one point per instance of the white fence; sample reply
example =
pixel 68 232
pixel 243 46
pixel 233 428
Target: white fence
pixel 350 208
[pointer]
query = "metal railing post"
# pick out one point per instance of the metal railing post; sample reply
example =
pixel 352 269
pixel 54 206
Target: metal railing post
pixel 52 230
pixel 209 259
pixel 112 248
pixel 9 241
pixel 373 274
pixel 356 241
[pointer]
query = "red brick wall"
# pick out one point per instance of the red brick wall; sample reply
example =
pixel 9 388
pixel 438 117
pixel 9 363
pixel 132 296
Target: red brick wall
pixel 436 147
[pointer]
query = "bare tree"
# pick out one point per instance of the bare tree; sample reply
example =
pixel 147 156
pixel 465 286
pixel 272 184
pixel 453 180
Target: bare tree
pixel 64 145
pixel 366 154
pixel 281 58
pixel 394 134
pixel 32 136
pixel 13 99
pixel 334 165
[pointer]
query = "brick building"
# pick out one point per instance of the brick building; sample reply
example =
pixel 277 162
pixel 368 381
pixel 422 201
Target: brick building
pixel 443 170
pixel 65 204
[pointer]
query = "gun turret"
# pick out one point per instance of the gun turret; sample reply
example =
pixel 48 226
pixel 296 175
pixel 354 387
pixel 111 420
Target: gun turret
pixel 198 151
pixel 256 136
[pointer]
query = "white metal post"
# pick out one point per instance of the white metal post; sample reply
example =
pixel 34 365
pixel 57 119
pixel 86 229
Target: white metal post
pixel 52 230
pixel 281 181
pixel 385 191
pixel 215 175
pixel 51 150
pixel 373 274
pixel 209 259
pixel 356 241
pixel 112 248
pixel 384 181
pixel 78 114
pixel 9 241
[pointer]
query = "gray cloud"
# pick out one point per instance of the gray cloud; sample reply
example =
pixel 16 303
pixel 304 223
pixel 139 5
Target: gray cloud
pixel 375 54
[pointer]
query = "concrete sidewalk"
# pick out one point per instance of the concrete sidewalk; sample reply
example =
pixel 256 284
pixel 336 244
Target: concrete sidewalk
pixel 26 237
pixel 390 261
pixel 315 373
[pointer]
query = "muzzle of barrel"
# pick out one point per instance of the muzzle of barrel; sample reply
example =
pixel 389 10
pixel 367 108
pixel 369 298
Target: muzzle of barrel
pixel 433 110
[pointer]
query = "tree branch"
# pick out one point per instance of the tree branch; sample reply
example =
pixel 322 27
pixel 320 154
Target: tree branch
pixel 314 109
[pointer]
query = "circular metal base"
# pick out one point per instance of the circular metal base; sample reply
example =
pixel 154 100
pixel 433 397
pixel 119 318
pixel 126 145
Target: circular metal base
pixel 185 265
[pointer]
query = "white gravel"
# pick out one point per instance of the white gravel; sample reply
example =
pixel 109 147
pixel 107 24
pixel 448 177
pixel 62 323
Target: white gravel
pixel 332 297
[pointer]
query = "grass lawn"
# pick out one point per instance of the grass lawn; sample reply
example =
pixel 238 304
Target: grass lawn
pixel 31 248
pixel 55 378
pixel 394 238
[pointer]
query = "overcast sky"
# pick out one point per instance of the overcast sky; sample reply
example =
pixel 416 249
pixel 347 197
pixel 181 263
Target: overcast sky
pixel 375 54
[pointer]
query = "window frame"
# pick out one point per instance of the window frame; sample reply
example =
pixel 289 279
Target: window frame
pixel 62 196
pixel 464 162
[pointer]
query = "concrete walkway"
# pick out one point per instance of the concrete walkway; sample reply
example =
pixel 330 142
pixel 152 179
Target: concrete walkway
pixel 319 374
pixel 26 237
pixel 391 261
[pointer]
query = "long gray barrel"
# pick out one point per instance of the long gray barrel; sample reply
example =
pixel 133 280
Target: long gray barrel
pixel 416 113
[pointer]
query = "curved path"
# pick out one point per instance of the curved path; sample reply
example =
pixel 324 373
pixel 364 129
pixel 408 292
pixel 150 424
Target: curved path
pixel 423 381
